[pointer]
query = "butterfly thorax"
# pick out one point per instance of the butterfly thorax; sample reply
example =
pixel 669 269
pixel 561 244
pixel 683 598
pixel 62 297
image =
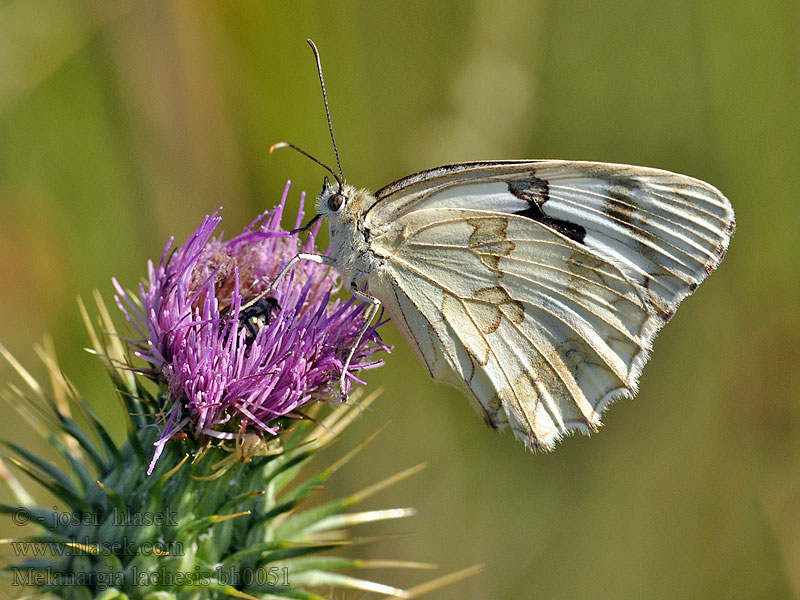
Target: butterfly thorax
pixel 344 208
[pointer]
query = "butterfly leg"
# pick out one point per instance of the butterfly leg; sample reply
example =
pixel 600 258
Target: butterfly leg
pixel 317 258
pixel 372 310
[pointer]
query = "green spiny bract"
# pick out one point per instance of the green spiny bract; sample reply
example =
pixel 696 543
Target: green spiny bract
pixel 208 522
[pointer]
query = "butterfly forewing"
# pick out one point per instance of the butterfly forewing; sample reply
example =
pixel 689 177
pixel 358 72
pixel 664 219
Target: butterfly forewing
pixel 537 286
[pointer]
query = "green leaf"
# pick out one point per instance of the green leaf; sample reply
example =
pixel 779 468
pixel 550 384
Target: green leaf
pixel 329 579
pixel 272 551
pixel 43 466
pixel 297 525
pixel 66 494
pixel 73 430
pixel 78 468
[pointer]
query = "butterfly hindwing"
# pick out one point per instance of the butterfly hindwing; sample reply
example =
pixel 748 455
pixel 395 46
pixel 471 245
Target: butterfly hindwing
pixel 539 331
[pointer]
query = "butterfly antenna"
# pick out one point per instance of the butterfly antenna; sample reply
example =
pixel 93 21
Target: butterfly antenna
pixel 340 178
pixel 274 147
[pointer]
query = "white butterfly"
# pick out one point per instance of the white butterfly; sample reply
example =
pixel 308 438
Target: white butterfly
pixel 535 286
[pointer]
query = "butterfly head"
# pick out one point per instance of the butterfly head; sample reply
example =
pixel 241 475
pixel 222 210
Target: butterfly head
pixel 336 201
pixel 331 199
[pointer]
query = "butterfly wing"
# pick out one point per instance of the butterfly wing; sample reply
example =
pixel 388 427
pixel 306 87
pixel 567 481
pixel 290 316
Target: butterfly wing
pixel 667 231
pixel 538 286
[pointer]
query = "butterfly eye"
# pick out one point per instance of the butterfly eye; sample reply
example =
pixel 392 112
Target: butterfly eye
pixel 335 201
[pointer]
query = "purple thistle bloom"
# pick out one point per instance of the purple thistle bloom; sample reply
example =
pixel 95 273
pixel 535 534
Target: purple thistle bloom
pixel 228 370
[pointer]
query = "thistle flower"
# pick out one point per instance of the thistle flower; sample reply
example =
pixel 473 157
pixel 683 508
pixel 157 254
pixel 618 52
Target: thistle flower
pixel 229 360
pixel 232 370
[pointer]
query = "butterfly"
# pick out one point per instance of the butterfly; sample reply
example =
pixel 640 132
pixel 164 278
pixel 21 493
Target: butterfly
pixel 535 286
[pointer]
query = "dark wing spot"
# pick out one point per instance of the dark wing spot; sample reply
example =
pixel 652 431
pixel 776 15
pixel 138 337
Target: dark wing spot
pixel 536 192
pixel 619 206
pixel 573 231
pixel 622 207
pixel 532 189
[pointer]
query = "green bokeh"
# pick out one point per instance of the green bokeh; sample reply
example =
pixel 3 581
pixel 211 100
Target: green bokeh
pixel 123 123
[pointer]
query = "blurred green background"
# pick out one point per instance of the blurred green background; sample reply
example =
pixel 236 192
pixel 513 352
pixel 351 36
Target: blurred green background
pixel 123 122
